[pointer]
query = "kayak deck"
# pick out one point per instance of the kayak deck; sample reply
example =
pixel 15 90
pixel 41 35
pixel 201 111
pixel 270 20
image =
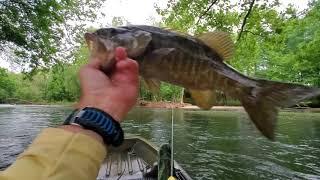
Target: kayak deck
pixel 132 160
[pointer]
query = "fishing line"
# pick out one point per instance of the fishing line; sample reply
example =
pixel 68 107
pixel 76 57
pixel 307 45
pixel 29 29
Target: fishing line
pixel 171 173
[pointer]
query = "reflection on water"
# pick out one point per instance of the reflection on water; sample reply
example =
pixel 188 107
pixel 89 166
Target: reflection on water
pixel 208 144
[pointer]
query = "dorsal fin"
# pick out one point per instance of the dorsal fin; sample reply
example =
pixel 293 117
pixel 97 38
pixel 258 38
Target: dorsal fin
pixel 220 42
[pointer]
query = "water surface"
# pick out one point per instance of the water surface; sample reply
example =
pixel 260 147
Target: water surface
pixel 208 144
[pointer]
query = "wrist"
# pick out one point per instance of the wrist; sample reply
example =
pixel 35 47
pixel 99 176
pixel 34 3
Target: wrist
pixel 100 103
pixel 78 129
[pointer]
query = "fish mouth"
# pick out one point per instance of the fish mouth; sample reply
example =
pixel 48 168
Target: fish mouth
pixel 102 49
pixel 89 38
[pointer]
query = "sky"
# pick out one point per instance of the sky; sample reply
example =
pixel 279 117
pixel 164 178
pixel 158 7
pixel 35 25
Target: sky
pixel 141 12
pixel 135 11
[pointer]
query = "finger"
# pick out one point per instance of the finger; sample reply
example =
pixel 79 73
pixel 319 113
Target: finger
pixel 121 53
pixel 128 65
pixel 126 72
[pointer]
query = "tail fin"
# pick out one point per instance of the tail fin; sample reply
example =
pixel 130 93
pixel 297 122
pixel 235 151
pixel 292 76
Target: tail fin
pixel 262 102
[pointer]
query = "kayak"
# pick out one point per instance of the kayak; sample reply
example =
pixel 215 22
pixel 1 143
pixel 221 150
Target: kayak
pixel 135 159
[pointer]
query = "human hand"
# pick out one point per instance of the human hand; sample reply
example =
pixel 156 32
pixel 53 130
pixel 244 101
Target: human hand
pixel 116 93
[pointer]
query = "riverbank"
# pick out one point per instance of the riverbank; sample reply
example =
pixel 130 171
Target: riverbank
pixel 168 105
pixel 162 104
pixel 148 104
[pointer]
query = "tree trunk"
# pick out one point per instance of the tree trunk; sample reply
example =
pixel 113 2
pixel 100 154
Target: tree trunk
pixel 181 95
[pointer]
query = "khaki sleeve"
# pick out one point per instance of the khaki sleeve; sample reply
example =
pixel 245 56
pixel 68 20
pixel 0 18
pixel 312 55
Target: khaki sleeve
pixel 57 154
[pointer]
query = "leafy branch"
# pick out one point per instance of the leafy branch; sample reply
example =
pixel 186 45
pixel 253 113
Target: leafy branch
pixel 253 33
pixel 206 11
pixel 245 19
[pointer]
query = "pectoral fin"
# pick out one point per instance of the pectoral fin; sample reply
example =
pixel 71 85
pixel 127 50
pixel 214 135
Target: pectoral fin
pixel 153 85
pixel 205 99
pixel 220 42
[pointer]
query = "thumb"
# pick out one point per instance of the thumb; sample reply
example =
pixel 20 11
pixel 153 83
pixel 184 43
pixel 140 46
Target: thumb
pixel 121 54
pixel 126 70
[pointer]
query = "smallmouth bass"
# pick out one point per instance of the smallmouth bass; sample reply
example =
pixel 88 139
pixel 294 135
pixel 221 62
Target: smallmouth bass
pixel 197 64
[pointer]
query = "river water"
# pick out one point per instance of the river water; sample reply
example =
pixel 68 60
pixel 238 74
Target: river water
pixel 208 144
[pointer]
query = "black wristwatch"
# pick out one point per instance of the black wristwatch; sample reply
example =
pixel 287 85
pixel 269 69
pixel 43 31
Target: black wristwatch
pixel 98 121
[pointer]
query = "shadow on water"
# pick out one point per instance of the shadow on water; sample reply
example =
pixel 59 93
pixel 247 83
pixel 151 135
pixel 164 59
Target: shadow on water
pixel 208 144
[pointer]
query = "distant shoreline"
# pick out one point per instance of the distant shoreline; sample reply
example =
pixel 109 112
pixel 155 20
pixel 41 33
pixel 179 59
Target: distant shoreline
pixel 168 105
pixel 162 104
pixel 240 108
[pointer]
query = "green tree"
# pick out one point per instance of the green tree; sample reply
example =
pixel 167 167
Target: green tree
pixel 63 83
pixel 296 58
pixel 269 43
pixel 119 21
pixel 37 30
pixel 30 90
pixel 7 86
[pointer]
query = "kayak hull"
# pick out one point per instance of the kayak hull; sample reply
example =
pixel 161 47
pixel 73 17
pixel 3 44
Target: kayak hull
pixel 132 160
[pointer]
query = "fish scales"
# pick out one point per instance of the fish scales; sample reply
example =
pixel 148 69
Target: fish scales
pixel 190 73
pixel 180 63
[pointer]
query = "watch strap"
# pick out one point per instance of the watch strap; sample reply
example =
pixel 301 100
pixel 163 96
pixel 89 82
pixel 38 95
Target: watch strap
pixel 98 121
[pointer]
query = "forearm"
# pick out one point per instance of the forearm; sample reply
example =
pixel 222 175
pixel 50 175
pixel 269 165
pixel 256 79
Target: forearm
pixel 71 152
pixel 67 153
